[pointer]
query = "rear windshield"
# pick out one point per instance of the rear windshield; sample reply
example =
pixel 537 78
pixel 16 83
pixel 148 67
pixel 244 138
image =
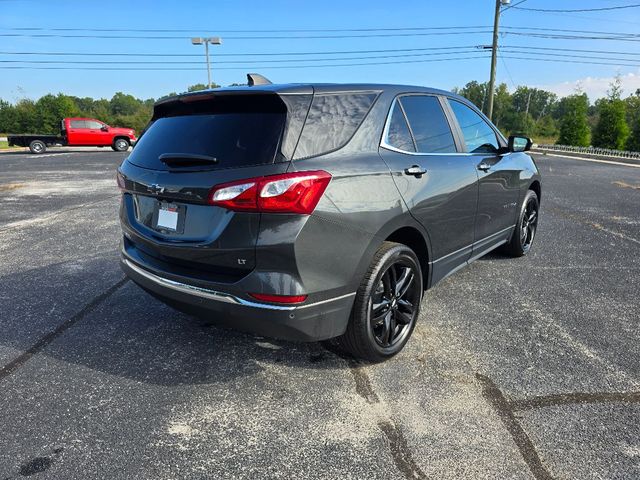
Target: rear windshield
pixel 234 131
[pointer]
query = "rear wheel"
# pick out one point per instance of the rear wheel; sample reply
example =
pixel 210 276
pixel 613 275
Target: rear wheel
pixel 37 146
pixel 387 305
pixel 120 145
pixel 525 231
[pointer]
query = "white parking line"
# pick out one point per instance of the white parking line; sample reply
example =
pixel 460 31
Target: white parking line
pixel 588 159
pixel 42 155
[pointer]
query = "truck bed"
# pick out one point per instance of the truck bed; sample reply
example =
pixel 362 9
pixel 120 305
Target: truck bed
pixel 25 140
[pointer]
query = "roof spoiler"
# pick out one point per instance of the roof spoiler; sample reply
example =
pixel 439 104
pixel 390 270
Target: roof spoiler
pixel 257 79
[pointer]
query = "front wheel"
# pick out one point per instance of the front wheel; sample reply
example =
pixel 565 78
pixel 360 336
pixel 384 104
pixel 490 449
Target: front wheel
pixel 37 146
pixel 526 228
pixel 120 145
pixel 387 305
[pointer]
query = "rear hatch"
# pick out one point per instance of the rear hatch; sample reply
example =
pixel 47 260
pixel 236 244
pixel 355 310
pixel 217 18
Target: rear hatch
pixel 193 143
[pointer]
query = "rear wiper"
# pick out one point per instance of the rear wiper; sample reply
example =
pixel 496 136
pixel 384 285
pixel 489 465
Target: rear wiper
pixel 187 160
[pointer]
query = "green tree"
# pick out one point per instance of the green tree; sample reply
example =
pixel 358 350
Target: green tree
pixel 475 92
pixel 611 130
pixel 574 128
pixel 546 127
pixel 123 104
pixel 632 104
pixel 201 86
pixel 52 108
pixel 7 117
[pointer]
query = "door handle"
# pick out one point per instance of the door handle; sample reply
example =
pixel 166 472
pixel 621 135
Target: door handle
pixel 484 166
pixel 415 170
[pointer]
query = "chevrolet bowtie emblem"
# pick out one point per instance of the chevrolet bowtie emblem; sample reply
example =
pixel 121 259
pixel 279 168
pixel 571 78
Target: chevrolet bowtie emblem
pixel 155 188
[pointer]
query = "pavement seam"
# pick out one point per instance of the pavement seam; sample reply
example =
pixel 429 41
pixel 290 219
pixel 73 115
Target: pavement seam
pixel 574 398
pixel 502 407
pixel 398 446
pixel 25 356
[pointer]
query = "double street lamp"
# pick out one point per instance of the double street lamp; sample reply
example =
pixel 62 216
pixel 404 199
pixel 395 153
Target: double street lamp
pixel 206 41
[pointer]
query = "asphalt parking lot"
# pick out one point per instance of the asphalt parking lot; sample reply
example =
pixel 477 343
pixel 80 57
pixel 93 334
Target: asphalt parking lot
pixel 526 368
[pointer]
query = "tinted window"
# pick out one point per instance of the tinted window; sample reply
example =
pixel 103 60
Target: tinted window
pixel 77 124
pixel 478 135
pixel 428 124
pixel 332 121
pixel 234 139
pixel 398 134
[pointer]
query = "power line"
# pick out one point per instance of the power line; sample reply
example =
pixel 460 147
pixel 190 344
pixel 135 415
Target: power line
pixel 601 9
pixel 256 54
pixel 572 61
pixel 266 37
pixel 529 57
pixel 246 68
pixel 173 62
pixel 570 50
pixel 512 6
pixel 560 55
pixel 192 30
pixel 326 52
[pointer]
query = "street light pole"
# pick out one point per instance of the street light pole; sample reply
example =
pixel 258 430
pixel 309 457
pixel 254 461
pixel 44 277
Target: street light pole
pixel 206 52
pixel 494 55
pixel 206 41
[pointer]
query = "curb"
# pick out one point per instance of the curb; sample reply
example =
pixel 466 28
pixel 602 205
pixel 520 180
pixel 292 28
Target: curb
pixel 625 162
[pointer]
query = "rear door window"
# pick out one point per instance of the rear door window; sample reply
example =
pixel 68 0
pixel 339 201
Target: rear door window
pixel 478 135
pixel 332 120
pixel 77 124
pixel 428 124
pixel 92 124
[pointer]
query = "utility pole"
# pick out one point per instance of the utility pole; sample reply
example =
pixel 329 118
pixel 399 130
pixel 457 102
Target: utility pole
pixel 206 42
pixel 494 55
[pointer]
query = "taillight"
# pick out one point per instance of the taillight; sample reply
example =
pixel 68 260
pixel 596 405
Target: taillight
pixel 288 299
pixel 297 192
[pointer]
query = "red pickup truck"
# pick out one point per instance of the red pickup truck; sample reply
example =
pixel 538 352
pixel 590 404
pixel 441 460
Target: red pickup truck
pixel 78 132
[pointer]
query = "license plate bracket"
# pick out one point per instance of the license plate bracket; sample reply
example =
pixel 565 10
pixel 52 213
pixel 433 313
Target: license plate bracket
pixel 169 217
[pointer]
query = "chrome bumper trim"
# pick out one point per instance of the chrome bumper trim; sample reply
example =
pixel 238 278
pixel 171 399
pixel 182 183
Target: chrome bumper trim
pixel 220 296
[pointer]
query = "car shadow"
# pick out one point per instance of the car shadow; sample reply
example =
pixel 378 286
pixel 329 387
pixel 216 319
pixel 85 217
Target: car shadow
pixel 130 334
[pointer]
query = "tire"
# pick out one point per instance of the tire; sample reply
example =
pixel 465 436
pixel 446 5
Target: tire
pixel 367 338
pixel 120 145
pixel 526 228
pixel 37 147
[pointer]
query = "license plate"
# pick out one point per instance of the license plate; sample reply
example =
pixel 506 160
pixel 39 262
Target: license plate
pixel 168 216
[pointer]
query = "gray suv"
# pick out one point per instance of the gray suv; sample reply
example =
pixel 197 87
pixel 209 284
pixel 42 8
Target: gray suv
pixel 312 212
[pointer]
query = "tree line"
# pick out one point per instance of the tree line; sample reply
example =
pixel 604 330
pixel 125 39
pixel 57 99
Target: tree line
pixel 610 122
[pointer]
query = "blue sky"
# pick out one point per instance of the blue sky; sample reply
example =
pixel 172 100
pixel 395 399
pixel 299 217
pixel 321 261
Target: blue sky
pixel 225 19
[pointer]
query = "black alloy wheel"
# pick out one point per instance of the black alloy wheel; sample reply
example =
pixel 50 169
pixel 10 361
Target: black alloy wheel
pixel 526 228
pixel 394 303
pixel 386 306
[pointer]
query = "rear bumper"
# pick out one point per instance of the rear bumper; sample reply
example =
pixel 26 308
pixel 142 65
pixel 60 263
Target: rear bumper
pixel 307 322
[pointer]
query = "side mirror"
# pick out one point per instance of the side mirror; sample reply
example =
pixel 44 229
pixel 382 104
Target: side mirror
pixel 519 144
pixel 105 128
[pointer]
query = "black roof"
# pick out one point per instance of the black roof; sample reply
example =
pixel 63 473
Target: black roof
pixel 292 88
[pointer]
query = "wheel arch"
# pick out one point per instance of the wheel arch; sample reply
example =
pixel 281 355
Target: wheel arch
pixel 536 187
pixel 121 137
pixel 415 240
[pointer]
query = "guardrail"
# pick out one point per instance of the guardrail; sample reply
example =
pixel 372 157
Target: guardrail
pixel 605 152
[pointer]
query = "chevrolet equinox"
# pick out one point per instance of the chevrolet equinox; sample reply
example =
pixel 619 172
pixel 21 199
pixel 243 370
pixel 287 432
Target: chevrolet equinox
pixel 312 212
